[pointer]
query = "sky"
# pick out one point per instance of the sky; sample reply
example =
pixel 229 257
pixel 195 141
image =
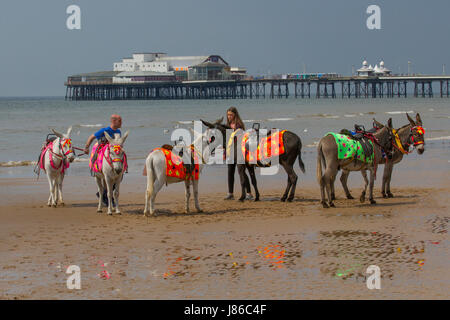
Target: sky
pixel 38 51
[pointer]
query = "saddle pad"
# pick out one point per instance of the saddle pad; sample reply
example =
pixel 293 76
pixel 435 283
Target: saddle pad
pixel 350 149
pixel 96 159
pixel 175 167
pixel 268 150
pixel 49 147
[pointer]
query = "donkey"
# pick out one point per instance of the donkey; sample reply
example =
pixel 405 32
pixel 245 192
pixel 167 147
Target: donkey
pixel 113 166
pixel 293 147
pixel 54 160
pixel 327 156
pixel 411 134
pixel 155 168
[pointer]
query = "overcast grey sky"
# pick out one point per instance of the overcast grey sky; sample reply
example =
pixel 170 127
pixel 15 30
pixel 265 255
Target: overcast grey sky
pixel 38 52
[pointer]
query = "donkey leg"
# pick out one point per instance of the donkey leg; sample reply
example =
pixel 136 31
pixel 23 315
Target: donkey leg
pixel 187 195
pixel 157 185
pixel 372 181
pixel 328 179
pixel 344 178
pixel 366 182
pixel 251 172
pixel 53 191
pixel 100 192
pixel 50 199
pixel 292 180
pixel 109 189
pixel 195 187
pixel 388 182
pixel 385 178
pixel 60 183
pixel 116 196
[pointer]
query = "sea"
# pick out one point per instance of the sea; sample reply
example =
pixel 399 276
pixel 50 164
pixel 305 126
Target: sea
pixel 25 123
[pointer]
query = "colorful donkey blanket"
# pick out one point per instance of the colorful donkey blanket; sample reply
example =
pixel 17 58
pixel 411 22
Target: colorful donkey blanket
pixel 175 167
pixel 268 147
pixel 100 151
pixel 349 148
pixel 49 147
pixel 96 159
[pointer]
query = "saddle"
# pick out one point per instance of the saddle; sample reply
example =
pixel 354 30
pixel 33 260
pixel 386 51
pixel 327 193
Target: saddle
pixel 189 167
pixel 362 135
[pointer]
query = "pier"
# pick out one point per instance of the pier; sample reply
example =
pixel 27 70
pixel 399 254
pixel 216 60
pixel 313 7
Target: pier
pixel 419 86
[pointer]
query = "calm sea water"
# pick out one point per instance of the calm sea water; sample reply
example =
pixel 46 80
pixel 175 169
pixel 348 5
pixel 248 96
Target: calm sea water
pixel 24 123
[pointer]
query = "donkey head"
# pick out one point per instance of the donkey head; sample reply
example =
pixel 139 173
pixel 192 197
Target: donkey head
pixel 417 133
pixel 386 137
pixel 216 131
pixel 65 144
pixel 116 152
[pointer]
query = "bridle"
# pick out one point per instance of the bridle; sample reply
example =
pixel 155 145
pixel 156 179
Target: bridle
pixel 399 145
pixel 63 155
pixel 117 149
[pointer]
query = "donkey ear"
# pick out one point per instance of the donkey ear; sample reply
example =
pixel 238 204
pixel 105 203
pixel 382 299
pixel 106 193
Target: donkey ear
pixel 125 136
pixel 378 124
pixel 69 131
pixel 108 137
pixel 411 120
pixel 390 126
pixel 219 121
pixel 59 135
pixel 206 123
pixel 418 119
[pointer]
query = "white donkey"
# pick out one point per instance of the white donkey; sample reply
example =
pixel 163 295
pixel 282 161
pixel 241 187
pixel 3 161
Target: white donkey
pixel 54 160
pixel 156 169
pixel 114 164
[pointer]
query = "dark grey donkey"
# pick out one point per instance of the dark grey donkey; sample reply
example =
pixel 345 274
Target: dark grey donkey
pixel 411 134
pixel 327 156
pixel 292 147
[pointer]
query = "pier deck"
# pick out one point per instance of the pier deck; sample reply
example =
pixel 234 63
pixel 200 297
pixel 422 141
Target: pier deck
pixel 335 87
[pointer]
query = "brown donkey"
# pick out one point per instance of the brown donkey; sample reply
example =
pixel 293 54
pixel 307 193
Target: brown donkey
pixel 293 147
pixel 327 156
pixel 411 134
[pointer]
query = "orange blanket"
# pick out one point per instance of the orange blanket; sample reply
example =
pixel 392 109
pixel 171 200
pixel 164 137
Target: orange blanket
pixel 175 167
pixel 265 149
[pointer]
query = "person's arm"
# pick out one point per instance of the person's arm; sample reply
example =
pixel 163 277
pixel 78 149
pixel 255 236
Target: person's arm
pixel 88 143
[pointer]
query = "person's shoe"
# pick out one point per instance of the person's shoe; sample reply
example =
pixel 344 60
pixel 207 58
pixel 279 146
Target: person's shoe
pixel 229 197
pixel 249 196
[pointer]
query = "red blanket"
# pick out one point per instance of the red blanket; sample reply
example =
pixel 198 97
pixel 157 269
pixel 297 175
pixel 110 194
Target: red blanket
pixel 175 167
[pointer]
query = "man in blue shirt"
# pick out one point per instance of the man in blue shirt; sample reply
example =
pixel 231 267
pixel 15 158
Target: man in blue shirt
pixel 116 124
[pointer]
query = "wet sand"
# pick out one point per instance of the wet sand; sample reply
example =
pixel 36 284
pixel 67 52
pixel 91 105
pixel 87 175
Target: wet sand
pixel 233 250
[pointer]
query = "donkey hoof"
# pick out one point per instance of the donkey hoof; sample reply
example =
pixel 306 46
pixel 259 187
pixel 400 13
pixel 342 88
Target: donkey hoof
pixel 241 199
pixel 372 201
pixel 332 205
pixel 256 198
pixel 110 214
pixel 54 205
pixel 290 199
pixel 362 199
pixel 350 197
pixel 283 199
pixel 390 195
pixel 199 210
pixel 384 195
pixel 118 212
pixel 325 205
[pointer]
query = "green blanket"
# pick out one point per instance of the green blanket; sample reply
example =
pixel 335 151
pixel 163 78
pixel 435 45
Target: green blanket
pixel 349 148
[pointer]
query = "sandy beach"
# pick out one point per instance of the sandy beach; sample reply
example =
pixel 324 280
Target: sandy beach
pixel 233 250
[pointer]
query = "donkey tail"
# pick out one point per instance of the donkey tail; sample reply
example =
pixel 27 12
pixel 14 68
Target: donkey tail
pixel 300 161
pixel 320 162
pixel 150 174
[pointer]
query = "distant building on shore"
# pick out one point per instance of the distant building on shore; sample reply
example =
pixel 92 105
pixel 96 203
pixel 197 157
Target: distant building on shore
pixel 159 66
pixel 367 70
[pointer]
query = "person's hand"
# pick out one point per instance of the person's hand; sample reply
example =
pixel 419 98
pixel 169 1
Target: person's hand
pixel 86 150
